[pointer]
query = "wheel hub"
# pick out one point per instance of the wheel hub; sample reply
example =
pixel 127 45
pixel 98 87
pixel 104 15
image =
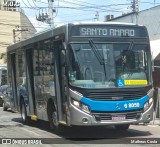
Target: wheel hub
pixel 23 112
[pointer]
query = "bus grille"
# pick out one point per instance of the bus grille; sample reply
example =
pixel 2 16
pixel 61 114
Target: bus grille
pixel 108 116
pixel 116 95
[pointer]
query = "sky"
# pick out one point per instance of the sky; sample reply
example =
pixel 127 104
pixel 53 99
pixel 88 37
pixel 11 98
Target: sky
pixel 80 10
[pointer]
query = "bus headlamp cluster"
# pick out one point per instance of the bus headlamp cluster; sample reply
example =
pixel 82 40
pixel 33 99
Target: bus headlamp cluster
pixel 148 104
pixel 81 106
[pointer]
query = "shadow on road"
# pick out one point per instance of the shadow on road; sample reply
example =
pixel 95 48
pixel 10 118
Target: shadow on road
pixel 88 133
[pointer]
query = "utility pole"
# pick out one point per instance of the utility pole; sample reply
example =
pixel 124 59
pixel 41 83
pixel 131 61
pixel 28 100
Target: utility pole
pixel 154 2
pixel 50 6
pixel 135 10
pixel 134 6
pixel 97 16
pixel 48 18
pixel 14 33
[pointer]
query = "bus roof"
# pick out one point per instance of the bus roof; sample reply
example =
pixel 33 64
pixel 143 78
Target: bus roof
pixel 103 23
pixel 60 30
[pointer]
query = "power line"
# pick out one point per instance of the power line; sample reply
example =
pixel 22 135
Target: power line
pixel 85 2
pixel 20 26
pixel 42 2
pixel 35 3
pixel 80 9
pixel 29 3
pixel 57 9
pixel 25 4
pixel 100 7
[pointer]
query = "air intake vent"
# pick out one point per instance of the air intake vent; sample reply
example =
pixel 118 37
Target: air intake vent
pixel 115 95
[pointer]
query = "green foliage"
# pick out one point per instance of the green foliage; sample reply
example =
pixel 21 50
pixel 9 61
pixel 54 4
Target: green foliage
pixel 4 57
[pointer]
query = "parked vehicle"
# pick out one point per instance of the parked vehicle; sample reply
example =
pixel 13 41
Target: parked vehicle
pixel 6 99
pixel 3 74
pixel 2 92
pixel 1 99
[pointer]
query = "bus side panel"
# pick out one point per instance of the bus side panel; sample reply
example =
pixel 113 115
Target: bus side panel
pixel 12 80
pixel 43 67
pixel 21 77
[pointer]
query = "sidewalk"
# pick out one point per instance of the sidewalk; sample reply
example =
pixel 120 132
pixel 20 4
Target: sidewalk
pixel 155 122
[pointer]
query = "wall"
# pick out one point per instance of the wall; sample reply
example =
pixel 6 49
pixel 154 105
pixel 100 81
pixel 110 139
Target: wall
pixel 149 18
pixel 9 20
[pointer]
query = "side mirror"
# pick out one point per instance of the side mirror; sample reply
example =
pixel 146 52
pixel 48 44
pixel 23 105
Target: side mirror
pixel 63 58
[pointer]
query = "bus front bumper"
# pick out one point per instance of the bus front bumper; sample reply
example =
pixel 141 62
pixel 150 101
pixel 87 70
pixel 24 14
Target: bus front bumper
pixel 80 118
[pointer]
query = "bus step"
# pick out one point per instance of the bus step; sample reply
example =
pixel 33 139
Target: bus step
pixel 62 122
pixel 34 117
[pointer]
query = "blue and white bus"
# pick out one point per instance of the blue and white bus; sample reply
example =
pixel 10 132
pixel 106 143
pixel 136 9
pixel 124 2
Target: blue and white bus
pixel 84 74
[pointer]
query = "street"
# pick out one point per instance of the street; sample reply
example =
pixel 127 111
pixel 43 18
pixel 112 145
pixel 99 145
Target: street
pixel 11 127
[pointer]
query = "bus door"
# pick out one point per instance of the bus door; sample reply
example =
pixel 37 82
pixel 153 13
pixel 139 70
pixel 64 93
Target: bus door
pixel 60 81
pixel 13 81
pixel 30 81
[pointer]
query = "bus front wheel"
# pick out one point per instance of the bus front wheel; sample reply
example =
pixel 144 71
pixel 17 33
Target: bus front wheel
pixel 4 107
pixel 122 127
pixel 53 118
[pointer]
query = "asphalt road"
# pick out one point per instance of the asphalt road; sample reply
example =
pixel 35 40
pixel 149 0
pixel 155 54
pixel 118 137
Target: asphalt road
pixel 11 127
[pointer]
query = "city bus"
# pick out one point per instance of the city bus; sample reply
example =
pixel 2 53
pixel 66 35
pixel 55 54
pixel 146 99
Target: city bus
pixel 83 74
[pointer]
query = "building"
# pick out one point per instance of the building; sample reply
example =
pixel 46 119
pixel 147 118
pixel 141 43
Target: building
pixel 149 18
pixel 14 26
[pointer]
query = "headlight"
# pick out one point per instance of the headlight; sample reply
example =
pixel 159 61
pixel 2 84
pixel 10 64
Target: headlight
pixel 76 103
pixel 81 106
pixel 148 104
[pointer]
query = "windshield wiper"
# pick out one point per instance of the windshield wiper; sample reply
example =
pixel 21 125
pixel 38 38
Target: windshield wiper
pixel 96 52
pixel 98 56
pixel 130 45
pixel 128 50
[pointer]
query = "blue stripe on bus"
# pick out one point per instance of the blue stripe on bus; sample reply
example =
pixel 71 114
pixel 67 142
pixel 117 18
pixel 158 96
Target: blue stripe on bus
pixel 124 105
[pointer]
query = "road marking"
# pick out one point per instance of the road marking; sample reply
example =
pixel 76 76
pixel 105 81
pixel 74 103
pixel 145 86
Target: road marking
pixel 31 132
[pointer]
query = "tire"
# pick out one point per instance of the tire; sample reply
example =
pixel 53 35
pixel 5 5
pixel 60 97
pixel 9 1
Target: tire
pixel 122 127
pixel 53 118
pixel 1 103
pixel 4 107
pixel 25 118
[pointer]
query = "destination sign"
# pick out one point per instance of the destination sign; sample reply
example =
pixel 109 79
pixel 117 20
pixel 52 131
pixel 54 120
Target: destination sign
pixel 85 31
pixel 108 31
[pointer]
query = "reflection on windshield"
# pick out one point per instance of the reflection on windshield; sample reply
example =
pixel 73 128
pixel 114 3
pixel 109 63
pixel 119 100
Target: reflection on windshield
pixel 120 64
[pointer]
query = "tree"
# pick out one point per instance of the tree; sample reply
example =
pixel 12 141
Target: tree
pixel 4 57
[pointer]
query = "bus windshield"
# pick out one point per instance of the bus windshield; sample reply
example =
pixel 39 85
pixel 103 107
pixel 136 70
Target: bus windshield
pixel 107 65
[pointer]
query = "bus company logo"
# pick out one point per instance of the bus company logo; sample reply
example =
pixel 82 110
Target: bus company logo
pixel 6 141
pixel 118 106
pixel 13 4
pixel 117 98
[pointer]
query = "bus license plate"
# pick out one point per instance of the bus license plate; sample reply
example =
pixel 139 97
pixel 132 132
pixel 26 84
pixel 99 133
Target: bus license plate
pixel 118 117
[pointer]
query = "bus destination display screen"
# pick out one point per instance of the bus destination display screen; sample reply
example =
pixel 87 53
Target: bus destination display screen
pixel 108 31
